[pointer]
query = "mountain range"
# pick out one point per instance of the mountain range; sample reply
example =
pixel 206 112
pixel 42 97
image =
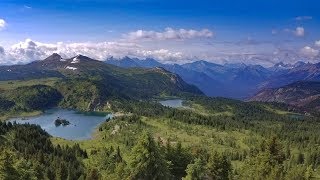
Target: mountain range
pixel 304 94
pixel 239 81
pixel 137 78
pixel 86 83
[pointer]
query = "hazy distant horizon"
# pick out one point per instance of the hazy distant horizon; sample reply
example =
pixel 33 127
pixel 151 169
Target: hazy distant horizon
pixel 264 33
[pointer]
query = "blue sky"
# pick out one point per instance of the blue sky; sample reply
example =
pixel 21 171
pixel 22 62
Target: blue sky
pixel 250 31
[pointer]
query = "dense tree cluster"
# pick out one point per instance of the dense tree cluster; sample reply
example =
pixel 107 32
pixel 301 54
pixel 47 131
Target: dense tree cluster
pixel 28 99
pixel 297 156
pixel 271 162
pixel 5 105
pixel 27 153
pixel 37 97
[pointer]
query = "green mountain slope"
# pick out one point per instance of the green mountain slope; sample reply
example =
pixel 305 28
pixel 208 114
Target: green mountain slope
pixel 155 81
pixel 303 94
pixel 244 135
pixel 27 153
pixel 87 84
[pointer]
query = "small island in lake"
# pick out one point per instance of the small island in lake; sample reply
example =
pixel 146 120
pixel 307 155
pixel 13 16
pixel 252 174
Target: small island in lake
pixel 62 122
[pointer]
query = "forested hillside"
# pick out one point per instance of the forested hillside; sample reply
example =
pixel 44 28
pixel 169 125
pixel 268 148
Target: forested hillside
pixel 81 83
pixel 159 90
pixel 207 138
pixel 28 100
pixel 213 139
pixel 27 153
pixel 135 82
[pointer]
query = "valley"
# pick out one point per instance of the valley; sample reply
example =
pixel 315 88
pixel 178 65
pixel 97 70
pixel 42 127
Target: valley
pixel 239 81
pixel 152 111
pixel 233 138
pixel 159 90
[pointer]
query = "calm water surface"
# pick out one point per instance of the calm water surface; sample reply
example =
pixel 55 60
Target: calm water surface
pixel 82 125
pixel 174 103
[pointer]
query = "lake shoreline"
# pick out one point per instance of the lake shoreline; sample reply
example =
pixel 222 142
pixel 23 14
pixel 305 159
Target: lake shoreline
pixel 81 125
pixel 173 103
pixel 25 114
pixel 22 115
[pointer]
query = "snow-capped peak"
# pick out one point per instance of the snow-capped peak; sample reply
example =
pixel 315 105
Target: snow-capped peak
pixel 75 60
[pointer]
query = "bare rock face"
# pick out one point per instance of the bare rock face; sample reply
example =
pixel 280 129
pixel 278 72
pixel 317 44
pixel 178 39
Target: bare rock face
pixel 302 93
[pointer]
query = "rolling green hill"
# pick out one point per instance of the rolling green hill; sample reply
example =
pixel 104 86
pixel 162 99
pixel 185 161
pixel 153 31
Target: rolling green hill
pixel 230 135
pixel 88 84
pixel 257 139
pixel 215 138
pixel 131 82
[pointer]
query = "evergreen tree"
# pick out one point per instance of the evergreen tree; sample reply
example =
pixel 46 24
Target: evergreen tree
pixel 196 171
pixel 26 170
pixel 7 171
pixel 147 162
pixel 219 167
pixel 179 159
pixel 93 175
pixel 267 164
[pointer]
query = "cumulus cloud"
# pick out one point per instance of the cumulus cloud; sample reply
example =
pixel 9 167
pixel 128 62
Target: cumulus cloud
pixel 3 24
pixel 29 50
pixel 309 52
pixel 250 51
pixel 302 18
pixel 162 55
pixel 317 43
pixel 1 50
pixel 169 34
pixel 299 31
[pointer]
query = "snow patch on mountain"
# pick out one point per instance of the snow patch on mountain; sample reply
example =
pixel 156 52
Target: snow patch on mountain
pixel 71 68
pixel 75 60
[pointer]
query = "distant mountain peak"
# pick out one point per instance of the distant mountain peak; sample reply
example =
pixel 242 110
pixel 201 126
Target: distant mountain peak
pixel 299 93
pixel 160 69
pixel 235 65
pixel 126 58
pixel 76 59
pixel 81 57
pixel 299 63
pixel 283 65
pixel 53 57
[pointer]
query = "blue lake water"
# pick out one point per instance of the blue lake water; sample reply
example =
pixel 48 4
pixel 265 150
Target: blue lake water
pixel 174 103
pixel 82 125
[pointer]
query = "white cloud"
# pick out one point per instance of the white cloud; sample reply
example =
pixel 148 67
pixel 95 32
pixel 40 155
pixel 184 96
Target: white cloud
pixel 169 34
pixel 3 24
pixel 1 50
pixel 162 55
pixel 27 7
pixel 166 52
pixel 302 18
pixel 29 50
pixel 309 52
pixel 317 43
pixel 299 31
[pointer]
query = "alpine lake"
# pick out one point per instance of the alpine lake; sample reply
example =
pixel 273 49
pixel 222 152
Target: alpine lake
pixel 79 126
